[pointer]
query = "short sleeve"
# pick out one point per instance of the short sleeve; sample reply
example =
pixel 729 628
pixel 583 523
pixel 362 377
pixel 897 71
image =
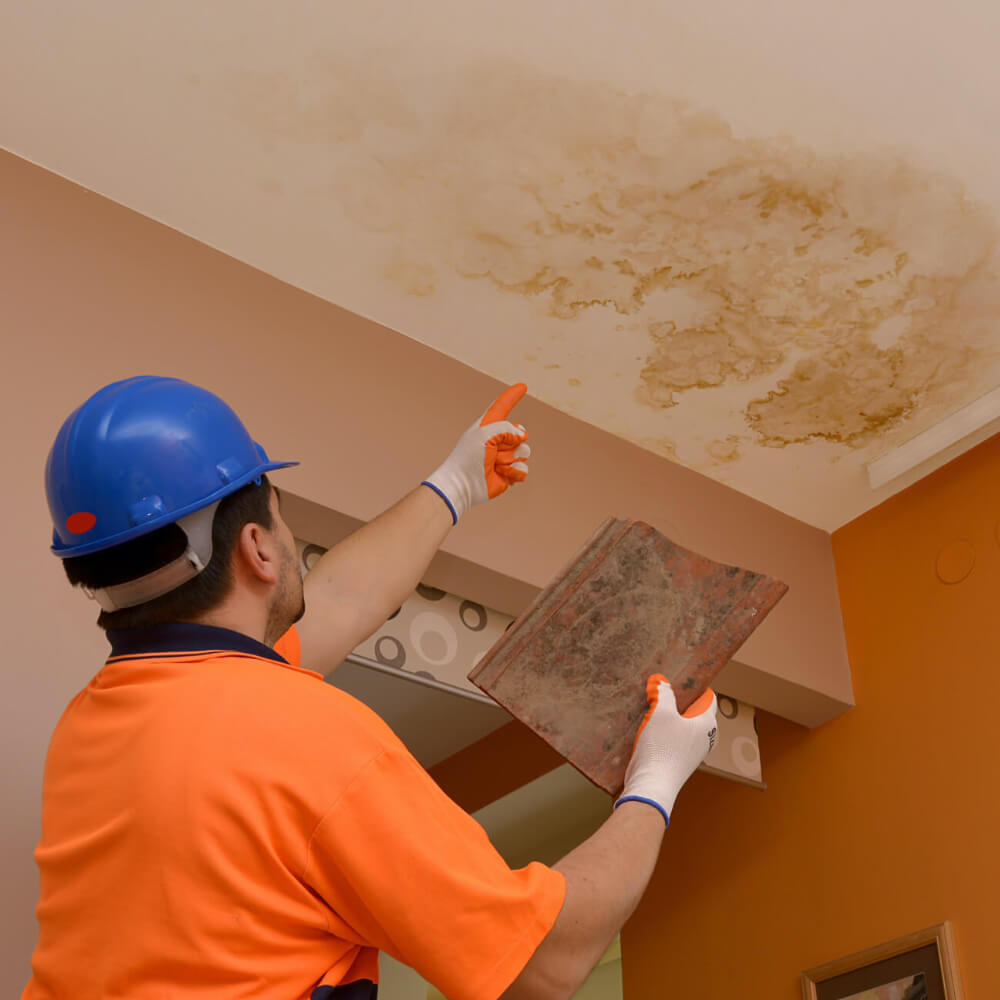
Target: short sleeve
pixel 289 648
pixel 409 872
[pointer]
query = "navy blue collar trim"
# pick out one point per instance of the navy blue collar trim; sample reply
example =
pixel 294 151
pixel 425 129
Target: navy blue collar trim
pixel 184 638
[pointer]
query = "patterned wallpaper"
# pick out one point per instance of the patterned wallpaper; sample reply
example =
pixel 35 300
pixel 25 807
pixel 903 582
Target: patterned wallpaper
pixel 441 637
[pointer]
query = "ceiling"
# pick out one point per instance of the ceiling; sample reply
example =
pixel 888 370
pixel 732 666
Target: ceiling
pixel 760 240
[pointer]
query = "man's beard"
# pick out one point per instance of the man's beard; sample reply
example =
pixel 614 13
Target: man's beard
pixel 289 603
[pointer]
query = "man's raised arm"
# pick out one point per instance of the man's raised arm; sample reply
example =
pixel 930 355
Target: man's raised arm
pixel 363 579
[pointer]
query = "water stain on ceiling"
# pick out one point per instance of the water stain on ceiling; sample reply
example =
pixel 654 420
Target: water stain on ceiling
pixel 851 292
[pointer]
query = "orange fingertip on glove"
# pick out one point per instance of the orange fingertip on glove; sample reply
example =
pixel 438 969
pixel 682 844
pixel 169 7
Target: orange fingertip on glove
pixel 698 707
pixel 503 460
pixel 652 699
pixel 504 403
pixel 701 705
pixel 500 467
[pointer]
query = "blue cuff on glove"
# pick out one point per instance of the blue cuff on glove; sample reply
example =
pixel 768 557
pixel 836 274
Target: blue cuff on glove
pixel 649 802
pixel 454 513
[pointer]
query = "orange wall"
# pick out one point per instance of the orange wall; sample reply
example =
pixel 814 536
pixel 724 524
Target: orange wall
pixel 879 823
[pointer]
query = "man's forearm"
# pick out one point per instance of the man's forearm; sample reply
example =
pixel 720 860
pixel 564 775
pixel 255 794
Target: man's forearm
pixel 605 879
pixel 359 582
pixel 608 873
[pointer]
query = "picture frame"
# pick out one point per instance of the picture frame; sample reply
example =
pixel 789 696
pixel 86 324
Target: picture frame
pixel 918 966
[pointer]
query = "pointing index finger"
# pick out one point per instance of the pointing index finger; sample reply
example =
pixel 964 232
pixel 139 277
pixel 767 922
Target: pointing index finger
pixel 504 403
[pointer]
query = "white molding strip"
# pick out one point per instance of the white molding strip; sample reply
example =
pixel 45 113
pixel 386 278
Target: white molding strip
pixel 922 448
pixel 382 668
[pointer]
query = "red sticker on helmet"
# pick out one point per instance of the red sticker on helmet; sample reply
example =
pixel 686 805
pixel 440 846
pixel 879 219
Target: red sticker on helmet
pixel 81 522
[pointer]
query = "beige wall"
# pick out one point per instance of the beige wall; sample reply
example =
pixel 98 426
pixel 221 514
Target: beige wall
pixel 93 292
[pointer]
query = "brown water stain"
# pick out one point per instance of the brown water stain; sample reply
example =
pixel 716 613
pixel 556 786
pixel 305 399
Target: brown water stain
pixel 667 447
pixel 744 259
pixel 725 451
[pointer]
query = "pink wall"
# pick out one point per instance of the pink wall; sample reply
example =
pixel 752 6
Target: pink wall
pixel 95 292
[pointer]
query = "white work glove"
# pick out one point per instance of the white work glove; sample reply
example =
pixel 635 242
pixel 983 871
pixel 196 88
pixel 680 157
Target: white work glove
pixel 669 746
pixel 488 458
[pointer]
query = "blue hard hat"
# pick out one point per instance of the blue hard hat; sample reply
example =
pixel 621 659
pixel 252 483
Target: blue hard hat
pixel 140 454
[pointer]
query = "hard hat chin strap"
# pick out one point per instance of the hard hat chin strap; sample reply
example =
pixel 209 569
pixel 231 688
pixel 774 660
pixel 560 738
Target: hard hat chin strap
pixel 198 528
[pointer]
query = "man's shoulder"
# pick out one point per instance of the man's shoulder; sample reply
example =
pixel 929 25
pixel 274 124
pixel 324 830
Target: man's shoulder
pixel 273 693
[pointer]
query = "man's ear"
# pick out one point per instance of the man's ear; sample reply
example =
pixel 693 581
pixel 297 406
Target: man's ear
pixel 257 552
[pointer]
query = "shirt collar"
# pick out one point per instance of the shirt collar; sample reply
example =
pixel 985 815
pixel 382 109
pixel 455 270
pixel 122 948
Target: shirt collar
pixel 185 638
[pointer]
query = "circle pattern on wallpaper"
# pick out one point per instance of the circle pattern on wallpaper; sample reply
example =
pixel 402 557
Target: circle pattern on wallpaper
pixel 434 638
pixel 728 708
pixel 473 616
pixel 430 593
pixel 311 555
pixel 745 756
pixel 955 561
pixel 389 651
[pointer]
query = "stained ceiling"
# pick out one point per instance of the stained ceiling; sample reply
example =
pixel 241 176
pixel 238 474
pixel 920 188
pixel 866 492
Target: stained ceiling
pixel 760 240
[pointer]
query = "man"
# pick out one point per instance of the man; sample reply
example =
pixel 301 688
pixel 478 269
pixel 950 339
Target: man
pixel 217 824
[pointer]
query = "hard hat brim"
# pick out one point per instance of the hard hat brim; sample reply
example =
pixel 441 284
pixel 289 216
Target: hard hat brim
pixel 87 548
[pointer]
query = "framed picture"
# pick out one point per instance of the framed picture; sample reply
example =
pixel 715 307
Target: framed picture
pixel 919 966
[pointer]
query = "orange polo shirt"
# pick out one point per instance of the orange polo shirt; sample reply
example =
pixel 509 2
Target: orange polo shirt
pixel 217 823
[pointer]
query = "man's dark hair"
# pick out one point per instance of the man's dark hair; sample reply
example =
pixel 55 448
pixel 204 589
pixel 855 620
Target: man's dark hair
pixel 248 505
